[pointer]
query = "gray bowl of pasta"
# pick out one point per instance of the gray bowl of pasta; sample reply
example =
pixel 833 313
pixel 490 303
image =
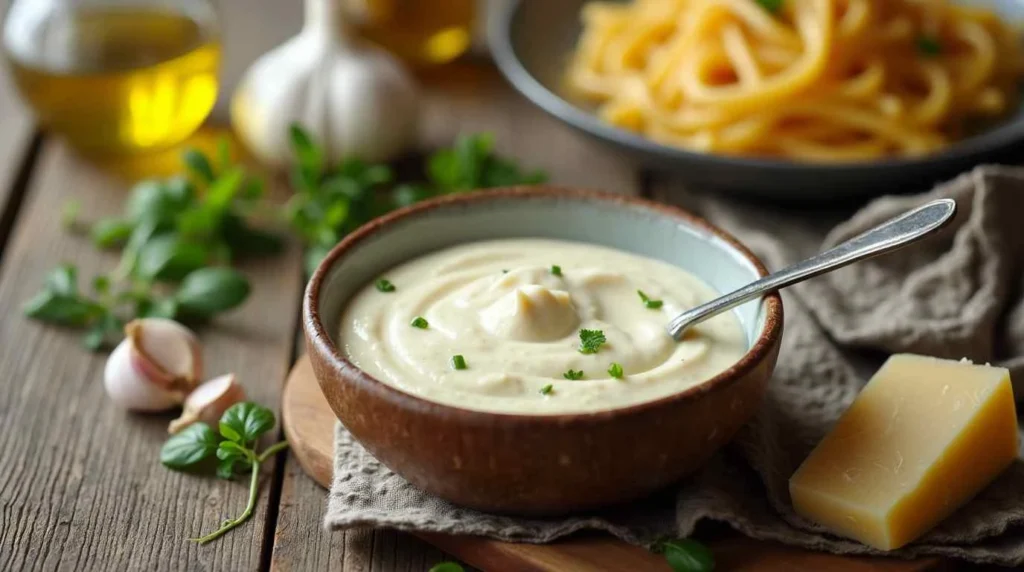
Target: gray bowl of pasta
pixel 782 99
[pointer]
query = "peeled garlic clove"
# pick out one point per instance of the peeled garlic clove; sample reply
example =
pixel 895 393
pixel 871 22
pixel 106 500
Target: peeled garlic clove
pixel 208 402
pixel 154 367
pixel 166 353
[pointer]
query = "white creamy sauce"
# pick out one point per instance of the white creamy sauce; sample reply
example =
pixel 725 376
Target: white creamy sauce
pixel 516 322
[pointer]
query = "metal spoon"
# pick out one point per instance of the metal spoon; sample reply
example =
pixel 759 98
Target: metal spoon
pixel 890 235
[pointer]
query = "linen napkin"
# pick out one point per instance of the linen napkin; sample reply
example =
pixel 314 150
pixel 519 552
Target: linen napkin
pixel 959 294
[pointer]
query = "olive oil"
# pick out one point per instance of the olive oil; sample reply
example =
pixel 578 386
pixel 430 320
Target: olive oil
pixel 421 32
pixel 117 81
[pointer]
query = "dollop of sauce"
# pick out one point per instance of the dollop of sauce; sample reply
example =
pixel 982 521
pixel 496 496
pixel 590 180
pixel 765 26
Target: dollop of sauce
pixel 516 319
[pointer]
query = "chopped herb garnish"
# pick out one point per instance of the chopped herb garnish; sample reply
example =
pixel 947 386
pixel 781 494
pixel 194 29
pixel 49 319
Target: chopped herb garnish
pixel 458 362
pixel 651 304
pixel 504 270
pixel 773 6
pixel 573 375
pixel 591 341
pixel 615 370
pixel 556 270
pixel 929 45
pixel 384 285
pixel 419 322
pixel 547 389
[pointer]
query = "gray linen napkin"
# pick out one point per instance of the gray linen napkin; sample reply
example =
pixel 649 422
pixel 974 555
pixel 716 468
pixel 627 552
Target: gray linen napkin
pixel 957 295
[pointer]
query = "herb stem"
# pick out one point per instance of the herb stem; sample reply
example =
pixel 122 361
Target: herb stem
pixel 254 487
pixel 271 450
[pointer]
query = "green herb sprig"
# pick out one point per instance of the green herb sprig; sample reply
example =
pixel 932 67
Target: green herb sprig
pixel 573 374
pixel 333 200
pixel 240 428
pixel 591 341
pixel 176 237
pixel 615 370
pixel 648 302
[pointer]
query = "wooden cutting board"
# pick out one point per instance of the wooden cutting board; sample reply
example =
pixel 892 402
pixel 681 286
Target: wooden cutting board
pixel 309 425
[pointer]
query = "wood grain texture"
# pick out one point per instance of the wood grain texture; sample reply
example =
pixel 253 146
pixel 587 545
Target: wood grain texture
pixel 83 486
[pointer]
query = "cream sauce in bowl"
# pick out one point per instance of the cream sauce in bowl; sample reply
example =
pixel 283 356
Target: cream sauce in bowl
pixel 526 316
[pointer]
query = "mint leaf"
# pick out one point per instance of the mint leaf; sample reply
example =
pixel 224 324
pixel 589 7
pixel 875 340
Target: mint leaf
pixel 208 291
pixel 245 422
pixel 193 444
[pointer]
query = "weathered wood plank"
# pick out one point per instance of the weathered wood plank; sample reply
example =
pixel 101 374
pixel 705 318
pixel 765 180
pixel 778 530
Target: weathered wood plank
pixel 82 485
pixel 463 98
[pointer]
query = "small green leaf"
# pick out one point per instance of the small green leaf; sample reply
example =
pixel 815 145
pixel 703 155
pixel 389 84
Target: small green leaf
pixel 110 232
pixel 154 200
pixel 384 285
pixel 160 308
pixel 648 302
pixel 245 422
pixel 226 469
pixel 458 362
pixel 446 567
pixel 228 450
pixel 556 270
pixel 62 309
pixel 615 370
pixel 547 389
pixel 63 280
pixel 198 163
pixel 685 555
pixel 591 341
pixel 573 374
pixel 307 152
pixel 209 291
pixel 419 322
pixel 101 284
pixel 193 444
pixel 168 257
pixel 405 195
pixel 223 189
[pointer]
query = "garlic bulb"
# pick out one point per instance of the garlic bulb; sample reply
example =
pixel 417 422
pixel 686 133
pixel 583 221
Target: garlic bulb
pixel 355 101
pixel 154 367
pixel 208 402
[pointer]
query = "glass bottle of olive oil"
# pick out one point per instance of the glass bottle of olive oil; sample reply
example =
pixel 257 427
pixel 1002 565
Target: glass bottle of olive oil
pixel 421 32
pixel 115 76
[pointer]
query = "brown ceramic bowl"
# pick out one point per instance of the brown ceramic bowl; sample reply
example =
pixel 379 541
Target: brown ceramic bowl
pixel 540 464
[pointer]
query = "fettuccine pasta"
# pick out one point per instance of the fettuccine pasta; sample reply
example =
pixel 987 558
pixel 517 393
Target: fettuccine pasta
pixel 810 80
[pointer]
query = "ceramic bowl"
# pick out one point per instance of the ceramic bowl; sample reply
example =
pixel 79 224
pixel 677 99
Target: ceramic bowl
pixel 531 42
pixel 540 464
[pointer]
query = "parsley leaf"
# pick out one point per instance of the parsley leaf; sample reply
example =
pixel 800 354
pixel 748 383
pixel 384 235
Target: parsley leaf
pixel 650 304
pixel 591 341
pixel 547 389
pixel 615 370
pixel 419 322
pixel 573 375
pixel 384 285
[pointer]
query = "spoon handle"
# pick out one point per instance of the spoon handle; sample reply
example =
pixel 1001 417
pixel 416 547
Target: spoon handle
pixel 888 236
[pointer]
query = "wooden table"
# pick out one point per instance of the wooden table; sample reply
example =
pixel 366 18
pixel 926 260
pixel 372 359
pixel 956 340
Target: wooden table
pixel 81 486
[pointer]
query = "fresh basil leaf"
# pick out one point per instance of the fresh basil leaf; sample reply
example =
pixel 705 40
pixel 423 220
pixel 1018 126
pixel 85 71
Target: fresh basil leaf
pixel 153 200
pixel 244 240
pixel 197 162
pixel 111 232
pixel 685 555
pixel 193 444
pixel 245 422
pixel 101 284
pixel 63 280
pixel 405 195
pixel 446 567
pixel 159 308
pixel 62 309
pixel 226 469
pixel 444 170
pixel 308 153
pixel 222 191
pixel 209 291
pixel 230 450
pixel 168 257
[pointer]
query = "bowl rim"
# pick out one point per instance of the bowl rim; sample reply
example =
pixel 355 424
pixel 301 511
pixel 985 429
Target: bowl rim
pixel 508 62
pixel 319 340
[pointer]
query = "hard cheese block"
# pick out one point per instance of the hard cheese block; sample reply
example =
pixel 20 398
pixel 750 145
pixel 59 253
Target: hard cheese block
pixel 922 438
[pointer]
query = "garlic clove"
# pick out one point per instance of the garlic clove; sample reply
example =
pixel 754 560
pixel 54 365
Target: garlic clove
pixel 166 353
pixel 208 402
pixel 129 388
